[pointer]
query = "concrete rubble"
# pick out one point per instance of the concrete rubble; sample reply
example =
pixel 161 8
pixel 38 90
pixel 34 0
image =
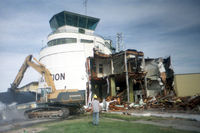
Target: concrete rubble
pixel 169 102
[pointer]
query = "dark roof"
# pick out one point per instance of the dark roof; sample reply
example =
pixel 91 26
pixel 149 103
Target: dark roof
pixel 18 97
pixel 73 19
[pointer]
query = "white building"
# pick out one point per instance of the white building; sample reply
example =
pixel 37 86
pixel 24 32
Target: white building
pixel 72 40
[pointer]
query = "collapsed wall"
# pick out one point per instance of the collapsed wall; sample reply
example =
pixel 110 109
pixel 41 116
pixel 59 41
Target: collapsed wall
pixel 129 70
pixel 159 75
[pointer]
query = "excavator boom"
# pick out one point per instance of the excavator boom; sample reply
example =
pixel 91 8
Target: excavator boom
pixel 20 74
pixel 38 67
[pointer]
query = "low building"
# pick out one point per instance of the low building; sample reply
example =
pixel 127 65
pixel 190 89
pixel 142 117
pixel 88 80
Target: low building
pixel 187 84
pixel 31 87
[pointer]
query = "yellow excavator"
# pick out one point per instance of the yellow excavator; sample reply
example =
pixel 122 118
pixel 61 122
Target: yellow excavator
pixel 52 103
pixel 39 68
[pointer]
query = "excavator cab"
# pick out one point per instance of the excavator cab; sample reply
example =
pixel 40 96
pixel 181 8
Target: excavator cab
pixel 44 94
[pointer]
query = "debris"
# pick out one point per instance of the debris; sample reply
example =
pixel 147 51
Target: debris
pixel 141 103
pixel 174 103
pixel 169 102
pixel 145 83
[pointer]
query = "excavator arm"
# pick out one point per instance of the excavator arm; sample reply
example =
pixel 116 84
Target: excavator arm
pixel 38 67
pixel 20 74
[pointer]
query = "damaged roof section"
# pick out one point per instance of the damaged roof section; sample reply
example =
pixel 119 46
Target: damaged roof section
pixel 116 62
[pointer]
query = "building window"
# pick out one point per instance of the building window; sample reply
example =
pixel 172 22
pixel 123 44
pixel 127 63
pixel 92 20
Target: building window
pixel 81 31
pixel 86 41
pixel 61 41
pixel 100 68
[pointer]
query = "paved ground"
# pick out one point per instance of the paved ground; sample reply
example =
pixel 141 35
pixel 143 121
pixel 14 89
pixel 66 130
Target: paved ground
pixel 165 114
pixel 188 116
pixel 183 121
pixel 21 124
pixel 176 124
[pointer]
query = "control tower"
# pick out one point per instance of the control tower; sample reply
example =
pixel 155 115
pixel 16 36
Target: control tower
pixel 72 40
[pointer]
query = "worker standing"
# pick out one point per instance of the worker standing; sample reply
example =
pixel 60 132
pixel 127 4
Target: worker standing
pixel 95 110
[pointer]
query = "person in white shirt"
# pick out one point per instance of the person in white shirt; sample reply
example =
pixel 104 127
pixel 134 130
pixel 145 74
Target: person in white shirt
pixel 95 110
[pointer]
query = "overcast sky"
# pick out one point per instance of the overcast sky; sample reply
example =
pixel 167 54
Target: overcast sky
pixel 159 28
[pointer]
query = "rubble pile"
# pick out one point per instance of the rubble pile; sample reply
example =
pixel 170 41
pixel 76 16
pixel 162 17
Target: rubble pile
pixel 174 103
pixel 118 102
pixel 169 102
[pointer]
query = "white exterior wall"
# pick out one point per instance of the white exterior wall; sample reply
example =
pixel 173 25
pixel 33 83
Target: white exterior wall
pixel 72 29
pixel 66 62
pixel 106 67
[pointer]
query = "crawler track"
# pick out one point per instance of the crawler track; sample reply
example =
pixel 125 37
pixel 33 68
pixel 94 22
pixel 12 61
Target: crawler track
pixel 47 112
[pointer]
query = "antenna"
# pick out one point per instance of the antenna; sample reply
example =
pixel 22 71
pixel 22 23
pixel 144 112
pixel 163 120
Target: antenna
pixel 85 5
pixel 119 44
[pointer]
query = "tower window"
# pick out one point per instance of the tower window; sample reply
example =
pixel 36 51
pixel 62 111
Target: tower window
pixel 86 41
pixel 81 31
pixel 61 41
